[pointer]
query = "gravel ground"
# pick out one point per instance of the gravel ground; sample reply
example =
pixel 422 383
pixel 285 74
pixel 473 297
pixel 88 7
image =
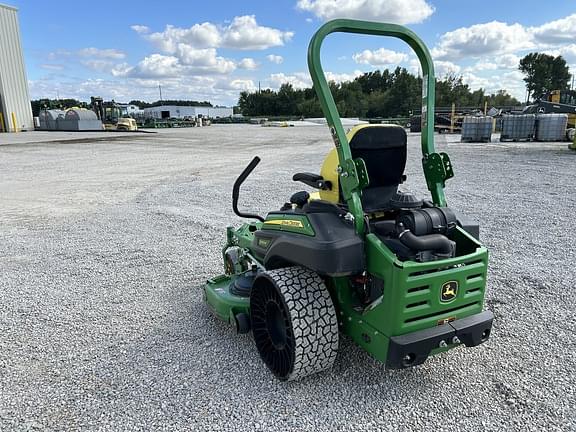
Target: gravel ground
pixel 104 247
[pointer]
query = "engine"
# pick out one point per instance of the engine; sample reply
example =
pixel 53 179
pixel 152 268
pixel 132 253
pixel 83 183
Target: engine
pixel 418 231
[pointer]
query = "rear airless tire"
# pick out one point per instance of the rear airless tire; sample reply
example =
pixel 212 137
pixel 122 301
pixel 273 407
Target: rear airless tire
pixel 294 322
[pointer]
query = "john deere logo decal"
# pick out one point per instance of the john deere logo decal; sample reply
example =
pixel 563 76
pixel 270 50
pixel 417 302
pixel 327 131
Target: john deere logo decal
pixel 449 291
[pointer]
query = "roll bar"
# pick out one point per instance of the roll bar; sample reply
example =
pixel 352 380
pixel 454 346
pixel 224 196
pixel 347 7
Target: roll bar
pixel 353 176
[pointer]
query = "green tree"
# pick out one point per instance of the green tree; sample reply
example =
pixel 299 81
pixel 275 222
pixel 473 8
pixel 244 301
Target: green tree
pixel 375 81
pixel 373 94
pixel 288 100
pixel 501 98
pixel 405 93
pixel 378 104
pixel 543 73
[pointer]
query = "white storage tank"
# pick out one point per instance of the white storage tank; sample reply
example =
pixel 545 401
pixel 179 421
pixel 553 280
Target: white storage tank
pixel 551 127
pixel 519 127
pixel 80 120
pixel 477 129
pixel 49 119
pixel 14 96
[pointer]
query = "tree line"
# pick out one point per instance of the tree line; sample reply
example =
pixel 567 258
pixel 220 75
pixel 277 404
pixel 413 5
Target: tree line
pixel 374 94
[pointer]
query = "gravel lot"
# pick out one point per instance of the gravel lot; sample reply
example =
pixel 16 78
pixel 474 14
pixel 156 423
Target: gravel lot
pixel 104 246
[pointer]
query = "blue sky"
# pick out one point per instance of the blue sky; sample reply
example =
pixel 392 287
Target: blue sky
pixel 213 50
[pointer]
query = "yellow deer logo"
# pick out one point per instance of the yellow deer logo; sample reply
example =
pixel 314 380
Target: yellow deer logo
pixel 448 291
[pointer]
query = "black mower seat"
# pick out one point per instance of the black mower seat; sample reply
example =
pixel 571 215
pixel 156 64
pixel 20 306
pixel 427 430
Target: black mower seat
pixel 383 149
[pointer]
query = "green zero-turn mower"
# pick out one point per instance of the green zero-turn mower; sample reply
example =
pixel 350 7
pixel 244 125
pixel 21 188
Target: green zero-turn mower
pixel 403 277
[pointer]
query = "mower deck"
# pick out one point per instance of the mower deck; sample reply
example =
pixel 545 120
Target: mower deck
pixel 222 302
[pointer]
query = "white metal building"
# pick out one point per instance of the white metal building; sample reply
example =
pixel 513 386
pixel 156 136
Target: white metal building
pixel 174 111
pixel 132 110
pixel 15 109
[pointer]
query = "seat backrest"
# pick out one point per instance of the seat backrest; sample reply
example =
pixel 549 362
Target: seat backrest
pixel 383 149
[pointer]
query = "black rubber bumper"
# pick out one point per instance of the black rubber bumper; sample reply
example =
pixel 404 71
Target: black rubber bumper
pixel 414 348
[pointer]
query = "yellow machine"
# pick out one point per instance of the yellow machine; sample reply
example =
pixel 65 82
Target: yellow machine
pixel 556 101
pixel 110 114
pixel 126 124
pixel 567 97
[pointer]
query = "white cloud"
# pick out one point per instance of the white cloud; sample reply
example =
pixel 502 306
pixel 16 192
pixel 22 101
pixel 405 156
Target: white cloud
pixel 236 84
pixel 52 66
pixel 298 80
pixel 140 29
pixel 555 32
pixel 484 65
pixel 243 33
pixel 275 58
pixel 395 11
pixel 445 68
pixel 515 75
pixel 59 54
pixel 248 64
pixel 192 50
pixel 188 62
pixel 303 80
pixel 98 65
pixel 81 89
pixel 498 47
pixel 156 66
pixel 475 82
pixel 414 66
pixel 510 81
pixel 153 66
pixel 203 61
pixel 109 53
pixel 567 51
pixel 379 57
pixel 508 61
pixel 482 39
pixel 121 69
pixel 205 35
pixel 499 63
pixel 342 77
pixel 126 89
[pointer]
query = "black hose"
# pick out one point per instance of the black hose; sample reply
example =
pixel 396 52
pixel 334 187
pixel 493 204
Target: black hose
pixel 436 242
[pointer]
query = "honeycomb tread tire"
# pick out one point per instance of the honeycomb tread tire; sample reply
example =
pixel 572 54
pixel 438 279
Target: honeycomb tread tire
pixel 294 322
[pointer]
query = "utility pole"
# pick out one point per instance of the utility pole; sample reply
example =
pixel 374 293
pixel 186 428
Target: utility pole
pixel 160 88
pixel 259 101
